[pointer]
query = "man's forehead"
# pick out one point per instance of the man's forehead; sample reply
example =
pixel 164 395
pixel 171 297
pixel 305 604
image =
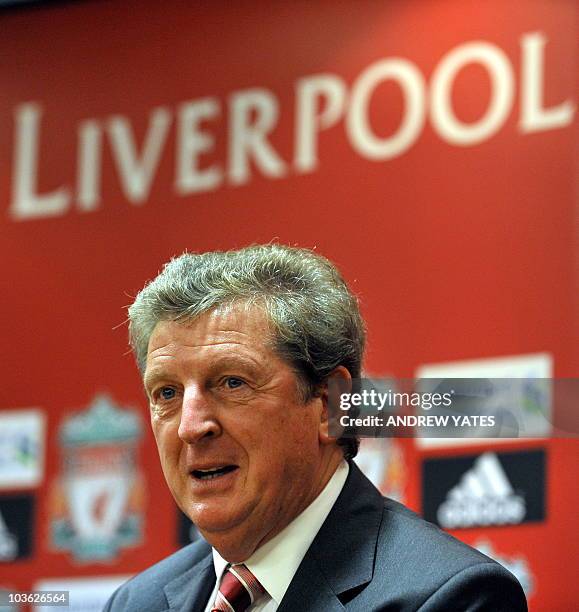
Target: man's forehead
pixel 232 338
pixel 236 325
pixel 236 318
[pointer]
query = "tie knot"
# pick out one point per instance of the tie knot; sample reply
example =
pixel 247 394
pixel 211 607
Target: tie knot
pixel 239 588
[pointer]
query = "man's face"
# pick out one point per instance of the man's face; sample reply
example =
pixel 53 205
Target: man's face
pixel 241 453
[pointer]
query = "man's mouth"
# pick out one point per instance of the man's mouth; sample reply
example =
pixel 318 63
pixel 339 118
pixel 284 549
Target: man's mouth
pixel 213 472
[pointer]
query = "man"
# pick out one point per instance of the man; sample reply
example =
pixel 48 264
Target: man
pixel 237 350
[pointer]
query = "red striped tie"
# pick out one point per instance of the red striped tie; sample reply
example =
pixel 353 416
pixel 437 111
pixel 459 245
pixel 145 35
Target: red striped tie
pixel 239 588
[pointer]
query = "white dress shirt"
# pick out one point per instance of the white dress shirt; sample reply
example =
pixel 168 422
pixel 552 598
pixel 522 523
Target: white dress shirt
pixel 277 561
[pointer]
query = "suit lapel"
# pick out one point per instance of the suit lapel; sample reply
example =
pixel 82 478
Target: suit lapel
pixel 310 591
pixel 341 557
pixel 190 591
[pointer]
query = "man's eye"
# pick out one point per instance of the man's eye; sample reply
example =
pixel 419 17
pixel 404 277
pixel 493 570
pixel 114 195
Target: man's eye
pixel 233 383
pixel 167 393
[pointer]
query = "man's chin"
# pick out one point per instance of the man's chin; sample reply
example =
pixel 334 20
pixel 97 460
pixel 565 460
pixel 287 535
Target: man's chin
pixel 214 520
pixel 234 544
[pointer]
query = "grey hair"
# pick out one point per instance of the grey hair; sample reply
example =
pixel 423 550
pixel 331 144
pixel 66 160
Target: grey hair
pixel 314 317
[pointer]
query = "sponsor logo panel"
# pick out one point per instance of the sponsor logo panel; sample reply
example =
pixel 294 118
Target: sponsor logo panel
pixel 86 594
pixel 4 594
pixel 526 392
pixel 97 501
pixel 491 489
pixel 22 435
pixel 383 462
pixel 16 527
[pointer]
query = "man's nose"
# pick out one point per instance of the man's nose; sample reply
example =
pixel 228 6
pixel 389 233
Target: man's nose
pixel 198 419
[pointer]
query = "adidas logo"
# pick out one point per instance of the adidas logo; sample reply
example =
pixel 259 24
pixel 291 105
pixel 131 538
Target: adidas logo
pixel 484 496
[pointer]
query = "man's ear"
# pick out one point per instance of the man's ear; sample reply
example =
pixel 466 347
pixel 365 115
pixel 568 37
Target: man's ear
pixel 339 381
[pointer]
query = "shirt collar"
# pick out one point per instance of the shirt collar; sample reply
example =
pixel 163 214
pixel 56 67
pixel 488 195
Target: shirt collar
pixel 275 563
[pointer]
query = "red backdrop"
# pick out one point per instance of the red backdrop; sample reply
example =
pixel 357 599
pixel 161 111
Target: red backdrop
pixel 428 148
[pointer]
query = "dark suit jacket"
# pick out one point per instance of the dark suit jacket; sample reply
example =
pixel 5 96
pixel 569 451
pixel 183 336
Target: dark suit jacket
pixel 371 554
